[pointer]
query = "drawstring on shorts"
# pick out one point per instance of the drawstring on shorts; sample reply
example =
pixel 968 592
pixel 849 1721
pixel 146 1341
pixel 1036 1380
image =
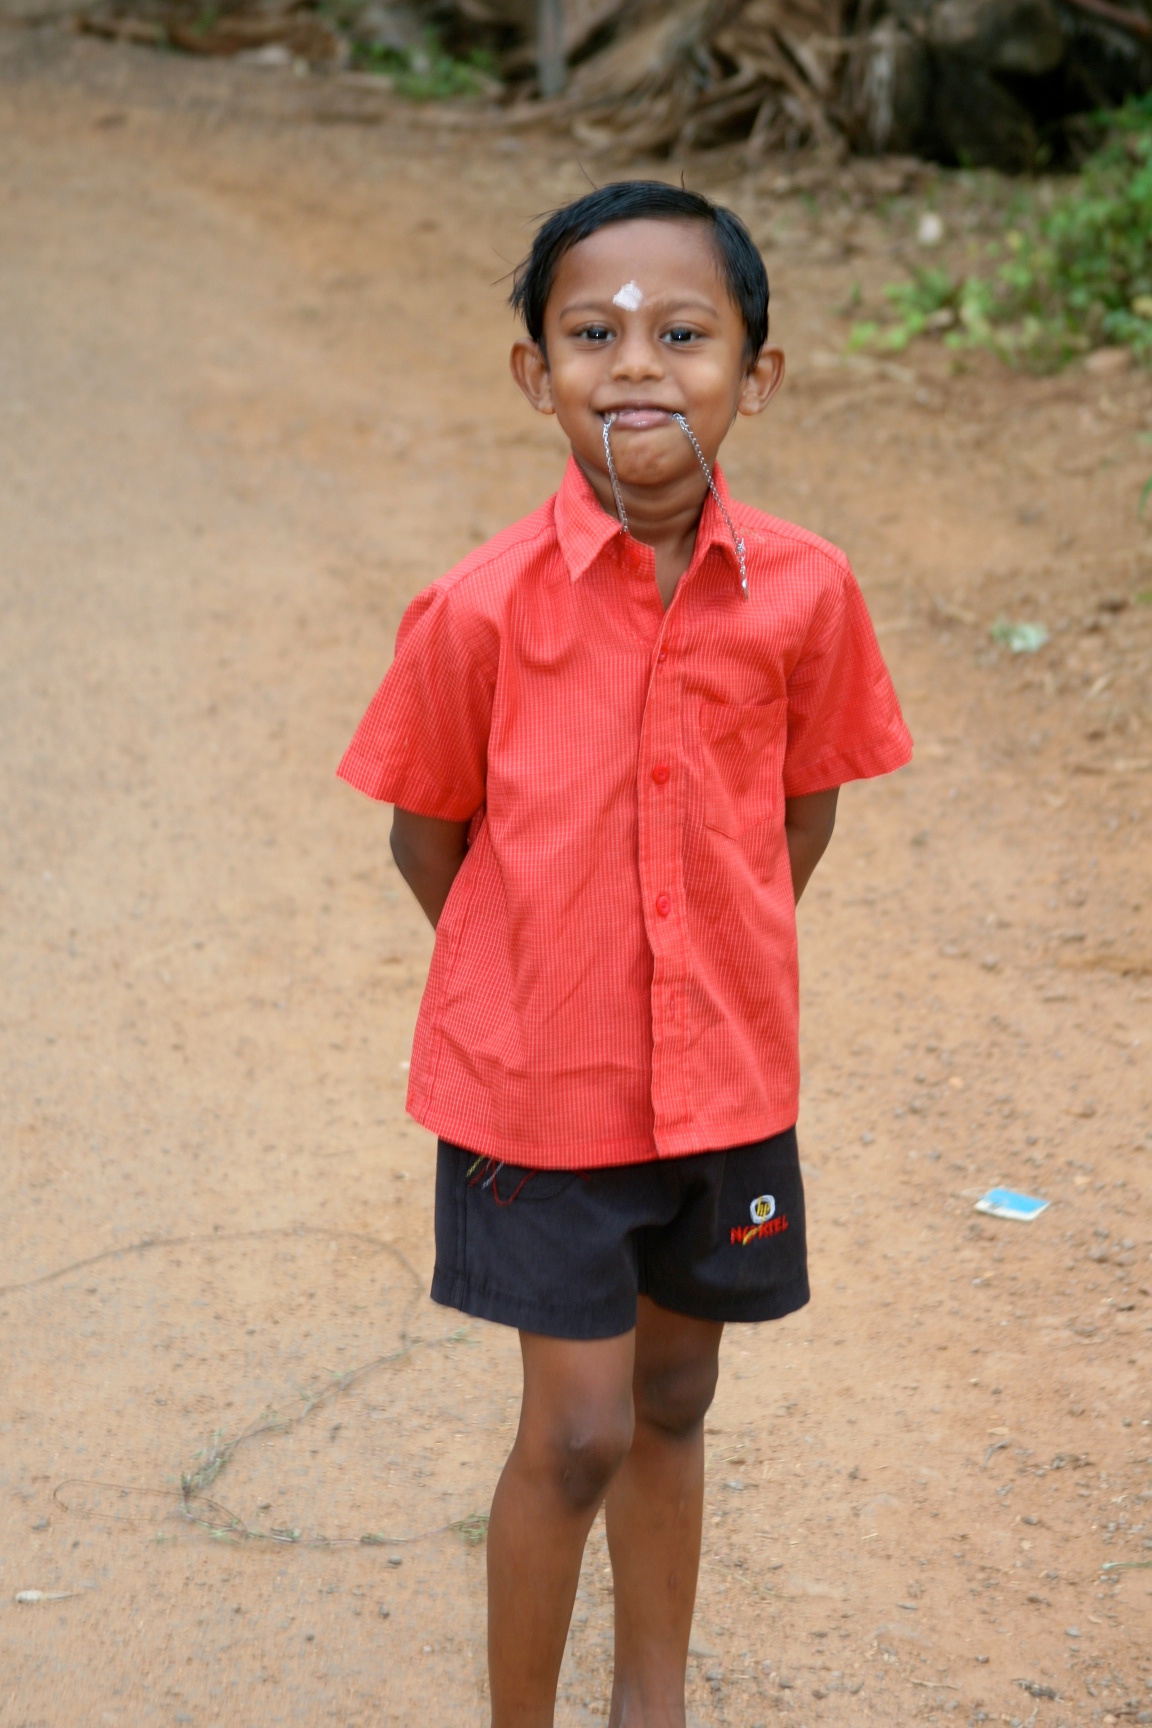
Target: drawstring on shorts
pixel 482 1173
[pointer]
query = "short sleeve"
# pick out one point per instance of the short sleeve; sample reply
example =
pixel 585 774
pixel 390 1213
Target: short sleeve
pixel 844 722
pixel 423 744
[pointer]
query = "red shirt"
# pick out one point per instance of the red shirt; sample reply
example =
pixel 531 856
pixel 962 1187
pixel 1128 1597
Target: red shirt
pixel 615 974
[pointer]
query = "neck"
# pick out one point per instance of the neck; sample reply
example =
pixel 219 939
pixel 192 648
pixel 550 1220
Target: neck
pixel 664 517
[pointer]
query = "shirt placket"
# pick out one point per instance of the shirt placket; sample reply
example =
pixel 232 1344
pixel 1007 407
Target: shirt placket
pixel 661 804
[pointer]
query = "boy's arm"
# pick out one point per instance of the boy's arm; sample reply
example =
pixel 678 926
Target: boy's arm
pixel 808 825
pixel 428 853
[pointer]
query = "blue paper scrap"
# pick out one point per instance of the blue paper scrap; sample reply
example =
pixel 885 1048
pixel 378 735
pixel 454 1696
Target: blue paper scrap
pixel 1004 1203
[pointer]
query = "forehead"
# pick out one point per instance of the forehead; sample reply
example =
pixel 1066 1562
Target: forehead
pixel 661 256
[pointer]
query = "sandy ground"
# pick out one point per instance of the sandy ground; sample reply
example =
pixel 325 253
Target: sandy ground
pixel 254 396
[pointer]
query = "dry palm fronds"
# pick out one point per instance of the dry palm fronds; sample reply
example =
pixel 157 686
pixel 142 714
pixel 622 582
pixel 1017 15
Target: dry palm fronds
pixel 300 32
pixel 949 79
pixel 704 70
pixel 654 81
pixel 583 19
pixel 772 34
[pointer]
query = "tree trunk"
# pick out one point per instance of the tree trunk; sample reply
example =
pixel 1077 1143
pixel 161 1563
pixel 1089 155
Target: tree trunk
pixel 550 64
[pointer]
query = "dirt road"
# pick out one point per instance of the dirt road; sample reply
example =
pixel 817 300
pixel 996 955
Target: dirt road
pixel 254 396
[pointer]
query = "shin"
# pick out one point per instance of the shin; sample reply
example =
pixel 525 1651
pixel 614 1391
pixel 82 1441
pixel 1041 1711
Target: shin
pixel 575 1430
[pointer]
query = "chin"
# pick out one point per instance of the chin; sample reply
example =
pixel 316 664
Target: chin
pixel 648 468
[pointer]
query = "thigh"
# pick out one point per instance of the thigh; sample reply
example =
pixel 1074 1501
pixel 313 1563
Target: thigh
pixel 576 1419
pixel 676 1364
pixel 566 1376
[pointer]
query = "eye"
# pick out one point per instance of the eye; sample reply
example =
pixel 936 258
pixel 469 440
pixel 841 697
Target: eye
pixel 594 333
pixel 681 335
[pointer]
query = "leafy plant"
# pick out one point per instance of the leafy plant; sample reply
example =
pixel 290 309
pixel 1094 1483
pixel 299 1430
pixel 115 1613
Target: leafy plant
pixel 427 73
pixel 1077 272
pixel 1020 637
pixel 473 1529
pixel 924 305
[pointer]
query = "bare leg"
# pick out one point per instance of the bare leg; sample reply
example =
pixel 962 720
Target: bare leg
pixel 575 1428
pixel 654 1509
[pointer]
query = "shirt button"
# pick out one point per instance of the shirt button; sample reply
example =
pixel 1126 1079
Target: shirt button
pixel 663 905
pixel 661 773
pixel 661 656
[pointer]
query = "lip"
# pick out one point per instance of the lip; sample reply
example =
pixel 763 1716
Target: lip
pixel 637 416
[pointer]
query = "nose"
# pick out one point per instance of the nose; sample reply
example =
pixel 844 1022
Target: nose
pixel 636 354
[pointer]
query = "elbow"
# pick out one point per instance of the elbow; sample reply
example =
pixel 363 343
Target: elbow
pixel 822 837
pixel 827 809
pixel 401 853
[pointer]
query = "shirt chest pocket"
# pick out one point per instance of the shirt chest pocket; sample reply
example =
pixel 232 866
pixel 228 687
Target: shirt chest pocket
pixel 743 759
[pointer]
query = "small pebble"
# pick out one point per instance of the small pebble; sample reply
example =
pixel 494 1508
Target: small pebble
pixel 982 1659
pixel 930 231
pixel 309 1637
pixel 384 1612
pixel 395 1560
pixel 1072 1631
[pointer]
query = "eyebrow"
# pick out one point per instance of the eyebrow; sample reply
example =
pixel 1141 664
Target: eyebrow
pixel 650 300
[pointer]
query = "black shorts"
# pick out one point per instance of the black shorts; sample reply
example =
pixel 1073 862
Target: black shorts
pixel 716 1235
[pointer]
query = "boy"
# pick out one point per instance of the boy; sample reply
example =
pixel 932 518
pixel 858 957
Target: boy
pixel 614 738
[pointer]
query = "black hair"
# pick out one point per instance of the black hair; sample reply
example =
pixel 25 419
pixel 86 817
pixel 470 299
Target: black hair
pixel 741 265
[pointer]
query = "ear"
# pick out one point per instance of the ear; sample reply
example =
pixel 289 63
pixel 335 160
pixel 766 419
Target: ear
pixel 530 370
pixel 762 383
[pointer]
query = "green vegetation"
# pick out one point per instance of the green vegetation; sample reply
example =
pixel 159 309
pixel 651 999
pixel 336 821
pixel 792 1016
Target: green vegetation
pixel 427 73
pixel 473 1529
pixel 1021 638
pixel 1069 275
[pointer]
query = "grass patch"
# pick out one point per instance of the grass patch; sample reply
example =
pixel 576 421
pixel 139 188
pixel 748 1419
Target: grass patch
pixel 472 1530
pixel 1070 274
pixel 427 72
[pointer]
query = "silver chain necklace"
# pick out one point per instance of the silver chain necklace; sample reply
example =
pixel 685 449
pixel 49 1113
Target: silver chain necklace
pixel 737 539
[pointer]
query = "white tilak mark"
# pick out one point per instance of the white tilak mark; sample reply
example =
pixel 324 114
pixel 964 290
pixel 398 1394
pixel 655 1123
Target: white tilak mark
pixel 630 298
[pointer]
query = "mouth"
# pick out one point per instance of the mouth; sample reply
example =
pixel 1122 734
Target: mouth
pixel 636 416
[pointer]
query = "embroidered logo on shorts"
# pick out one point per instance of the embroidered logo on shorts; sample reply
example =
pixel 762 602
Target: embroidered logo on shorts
pixel 741 1234
pixel 763 1208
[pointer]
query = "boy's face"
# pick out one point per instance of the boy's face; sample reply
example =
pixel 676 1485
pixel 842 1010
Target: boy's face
pixel 640 325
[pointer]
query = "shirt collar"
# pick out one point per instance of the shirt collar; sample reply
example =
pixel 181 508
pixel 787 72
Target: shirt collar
pixel 584 530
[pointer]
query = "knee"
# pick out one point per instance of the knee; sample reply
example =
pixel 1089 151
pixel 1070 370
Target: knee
pixel 584 1452
pixel 676 1396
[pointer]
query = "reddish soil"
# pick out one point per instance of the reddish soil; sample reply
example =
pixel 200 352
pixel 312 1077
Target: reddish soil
pixel 254 397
